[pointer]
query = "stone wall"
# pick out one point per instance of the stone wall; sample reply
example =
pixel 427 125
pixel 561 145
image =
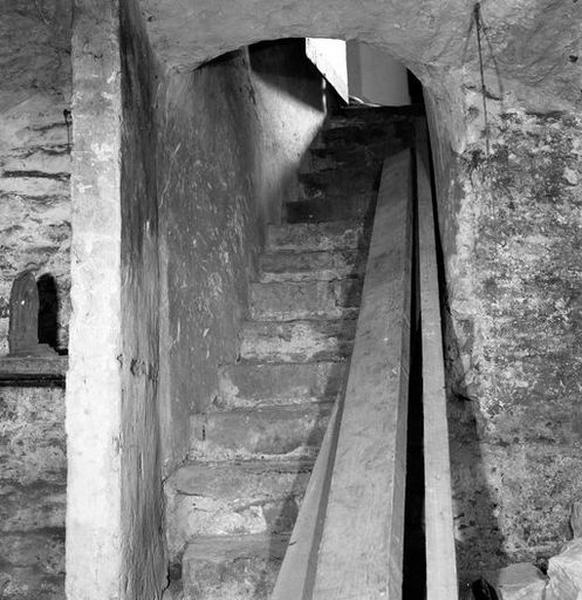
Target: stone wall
pixel 32 493
pixel 512 241
pixel 35 151
pixel 232 134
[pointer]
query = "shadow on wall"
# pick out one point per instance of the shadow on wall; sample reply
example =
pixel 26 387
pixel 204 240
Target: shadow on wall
pixel 283 66
pixel 478 538
pixel 48 310
pixel 292 101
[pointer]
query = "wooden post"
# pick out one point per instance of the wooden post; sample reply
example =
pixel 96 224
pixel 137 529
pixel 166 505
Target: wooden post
pixel 441 569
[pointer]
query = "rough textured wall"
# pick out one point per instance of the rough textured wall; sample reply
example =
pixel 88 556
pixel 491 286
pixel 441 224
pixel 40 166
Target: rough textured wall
pixel 209 223
pixel 34 150
pixel 32 493
pixel 514 341
pixel 231 133
pixel 144 569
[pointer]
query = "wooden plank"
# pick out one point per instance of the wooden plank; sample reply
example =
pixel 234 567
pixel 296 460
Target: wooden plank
pixel 360 555
pixel 295 579
pixel 440 544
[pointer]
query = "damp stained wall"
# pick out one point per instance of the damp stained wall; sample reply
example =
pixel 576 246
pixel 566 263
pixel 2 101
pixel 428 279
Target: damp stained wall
pixel 510 203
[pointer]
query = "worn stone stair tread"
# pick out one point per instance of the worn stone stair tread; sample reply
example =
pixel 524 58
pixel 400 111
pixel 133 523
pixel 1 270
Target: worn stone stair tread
pixel 297 341
pixel 248 384
pixel 337 191
pixel 310 237
pixel 259 432
pixel 291 300
pixel 243 567
pixel 226 497
pixel 235 479
pixel 304 266
pixel 322 210
pixel 352 177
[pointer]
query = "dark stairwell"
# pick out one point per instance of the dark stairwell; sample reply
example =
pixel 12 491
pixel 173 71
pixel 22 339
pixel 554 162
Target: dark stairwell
pixel 232 507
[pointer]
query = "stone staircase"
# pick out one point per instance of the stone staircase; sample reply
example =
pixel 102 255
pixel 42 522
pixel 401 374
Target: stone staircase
pixel 231 509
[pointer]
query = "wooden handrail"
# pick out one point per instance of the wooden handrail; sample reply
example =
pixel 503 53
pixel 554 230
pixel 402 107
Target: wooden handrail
pixel 348 539
pixel 441 580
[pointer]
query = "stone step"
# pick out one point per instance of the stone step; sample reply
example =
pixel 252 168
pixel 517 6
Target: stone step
pixel 327 157
pixel 302 266
pixel 270 431
pixel 297 341
pixel 364 114
pixel 234 497
pixel 248 385
pixel 340 191
pixel 331 208
pixel 363 133
pixel 308 237
pixel 241 567
pixel 290 300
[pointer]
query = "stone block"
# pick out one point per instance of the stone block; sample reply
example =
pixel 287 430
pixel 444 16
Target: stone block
pixel 522 581
pixel 242 498
pixel 265 431
pixel 289 301
pixel 268 384
pixel 565 573
pixel 313 237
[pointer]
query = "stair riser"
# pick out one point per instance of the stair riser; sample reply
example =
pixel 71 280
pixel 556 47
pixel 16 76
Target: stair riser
pixel 259 433
pixel 329 209
pixel 235 570
pixel 256 385
pixel 305 300
pixel 314 238
pixel 297 342
pixel 325 185
pixel 195 517
pixel 306 266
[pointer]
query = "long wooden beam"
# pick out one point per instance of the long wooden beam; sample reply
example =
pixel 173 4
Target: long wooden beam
pixel 441 572
pixel 297 573
pixel 360 554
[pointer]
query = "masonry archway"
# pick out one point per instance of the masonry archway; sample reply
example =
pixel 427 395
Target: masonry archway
pixel 136 92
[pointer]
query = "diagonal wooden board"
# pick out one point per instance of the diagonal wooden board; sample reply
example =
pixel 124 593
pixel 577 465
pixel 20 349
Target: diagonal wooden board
pixel 441 574
pixel 360 555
